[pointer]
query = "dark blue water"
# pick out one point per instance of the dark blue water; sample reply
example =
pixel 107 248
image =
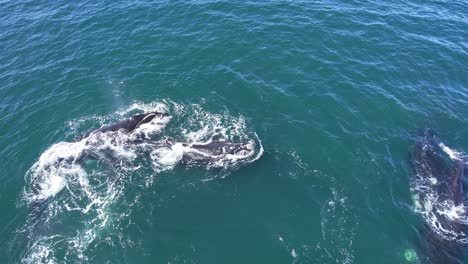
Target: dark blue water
pixel 332 92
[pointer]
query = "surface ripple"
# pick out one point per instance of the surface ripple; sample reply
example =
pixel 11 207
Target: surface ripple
pixel 336 91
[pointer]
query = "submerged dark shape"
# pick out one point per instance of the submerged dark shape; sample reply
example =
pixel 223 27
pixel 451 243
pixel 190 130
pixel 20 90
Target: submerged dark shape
pixel 436 173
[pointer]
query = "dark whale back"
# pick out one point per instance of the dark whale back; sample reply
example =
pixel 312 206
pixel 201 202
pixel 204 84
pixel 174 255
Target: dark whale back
pixel 221 147
pixel 132 123
pixel 429 160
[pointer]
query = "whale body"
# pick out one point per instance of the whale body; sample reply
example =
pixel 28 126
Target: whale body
pixel 132 123
pixel 201 152
pixel 439 175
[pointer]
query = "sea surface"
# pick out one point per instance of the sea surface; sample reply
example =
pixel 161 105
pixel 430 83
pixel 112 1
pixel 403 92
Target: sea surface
pixel 333 93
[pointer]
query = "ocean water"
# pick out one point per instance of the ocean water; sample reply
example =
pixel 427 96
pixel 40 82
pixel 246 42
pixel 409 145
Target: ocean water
pixel 333 93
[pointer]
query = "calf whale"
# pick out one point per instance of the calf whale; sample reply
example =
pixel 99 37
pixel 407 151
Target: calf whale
pixel 438 186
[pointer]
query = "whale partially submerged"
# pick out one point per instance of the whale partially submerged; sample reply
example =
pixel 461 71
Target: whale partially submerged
pixel 132 123
pixel 193 152
pixel 439 196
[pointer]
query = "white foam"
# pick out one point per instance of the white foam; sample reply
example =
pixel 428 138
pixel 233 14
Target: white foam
pixel 61 161
pixel 260 151
pixel 156 125
pixel 436 207
pixel 453 154
pixel 293 253
pixel 453 212
pixel 339 225
pixel 439 211
pixel 49 172
pixel 433 180
pixel 41 253
pixel 144 107
pixel 167 157
pixel 61 150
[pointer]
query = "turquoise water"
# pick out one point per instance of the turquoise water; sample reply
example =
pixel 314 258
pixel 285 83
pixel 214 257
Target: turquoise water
pixel 335 90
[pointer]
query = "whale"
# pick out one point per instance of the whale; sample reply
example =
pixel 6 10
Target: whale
pixel 439 175
pixel 196 153
pixel 200 152
pixel 216 148
pixel 132 123
pixel 208 152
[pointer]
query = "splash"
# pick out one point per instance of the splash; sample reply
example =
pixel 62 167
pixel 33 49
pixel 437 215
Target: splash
pixel 453 154
pixel 84 183
pixel 339 225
